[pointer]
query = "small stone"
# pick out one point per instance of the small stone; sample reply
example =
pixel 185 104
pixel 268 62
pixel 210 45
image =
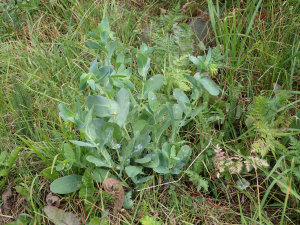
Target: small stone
pixel 200 28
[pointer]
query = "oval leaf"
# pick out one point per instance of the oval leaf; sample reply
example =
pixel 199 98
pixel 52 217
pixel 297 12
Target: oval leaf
pixel 117 134
pixel 122 98
pixel 132 171
pixel 67 184
pixel 152 101
pixel 102 107
pixel 153 84
pixel 209 85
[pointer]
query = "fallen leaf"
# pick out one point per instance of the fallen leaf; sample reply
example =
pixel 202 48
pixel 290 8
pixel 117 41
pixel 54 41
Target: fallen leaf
pixel 163 11
pixel 53 200
pixel 8 200
pixel 60 217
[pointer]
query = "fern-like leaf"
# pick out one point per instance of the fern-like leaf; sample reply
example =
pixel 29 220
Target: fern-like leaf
pixel 197 180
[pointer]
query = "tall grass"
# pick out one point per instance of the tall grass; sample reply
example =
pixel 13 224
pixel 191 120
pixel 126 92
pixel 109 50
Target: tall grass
pixel 259 37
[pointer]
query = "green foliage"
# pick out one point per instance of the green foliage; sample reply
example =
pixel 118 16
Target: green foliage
pixel 22 106
pixel 120 134
pixel 198 166
pixel 7 161
pixel 99 221
pixel 294 153
pixel 66 184
pixel 166 22
pixel 197 180
pixel 172 42
pixel 147 220
pixel 128 203
pixel 11 11
pixel 264 117
pixel 86 191
pixel 261 43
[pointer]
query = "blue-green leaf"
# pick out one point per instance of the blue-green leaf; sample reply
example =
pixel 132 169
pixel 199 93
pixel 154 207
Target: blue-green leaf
pixel 198 62
pixel 143 160
pixel 152 101
pixel 140 143
pixel 209 85
pixel 84 144
pixel 106 136
pixel 184 155
pixel 102 106
pixel 128 203
pixel 97 162
pixel 154 160
pixel 153 84
pixel 143 64
pixel 65 113
pixel 112 48
pixel 139 128
pixel 132 171
pixel 67 184
pixel 93 44
pixel 117 134
pixel 122 98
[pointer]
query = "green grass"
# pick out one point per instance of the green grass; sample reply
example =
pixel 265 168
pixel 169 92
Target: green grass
pixel 43 54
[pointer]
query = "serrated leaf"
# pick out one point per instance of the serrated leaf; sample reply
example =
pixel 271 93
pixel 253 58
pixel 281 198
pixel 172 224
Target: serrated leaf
pixel 3 156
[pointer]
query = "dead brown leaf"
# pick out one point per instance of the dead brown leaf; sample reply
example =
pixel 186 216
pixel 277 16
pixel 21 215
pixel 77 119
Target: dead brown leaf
pixel 53 200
